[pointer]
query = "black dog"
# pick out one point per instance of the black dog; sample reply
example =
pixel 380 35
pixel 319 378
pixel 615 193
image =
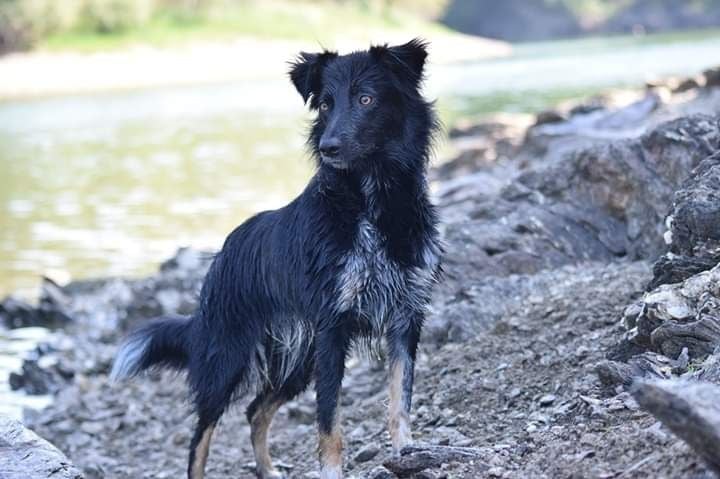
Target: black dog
pixel 353 258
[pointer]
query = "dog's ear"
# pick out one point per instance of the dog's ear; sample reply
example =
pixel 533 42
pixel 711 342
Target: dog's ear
pixel 407 61
pixel 306 72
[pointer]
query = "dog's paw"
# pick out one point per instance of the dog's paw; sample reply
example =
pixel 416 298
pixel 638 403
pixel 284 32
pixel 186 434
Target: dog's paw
pixel 401 450
pixel 271 474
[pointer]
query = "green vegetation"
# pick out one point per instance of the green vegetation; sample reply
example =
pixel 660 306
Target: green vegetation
pixel 595 11
pixel 102 24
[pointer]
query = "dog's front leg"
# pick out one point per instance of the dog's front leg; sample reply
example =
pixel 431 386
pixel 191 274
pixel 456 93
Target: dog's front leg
pixel 331 349
pixel 403 335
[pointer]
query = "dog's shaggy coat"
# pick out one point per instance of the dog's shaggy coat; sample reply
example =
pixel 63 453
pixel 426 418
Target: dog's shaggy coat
pixel 352 259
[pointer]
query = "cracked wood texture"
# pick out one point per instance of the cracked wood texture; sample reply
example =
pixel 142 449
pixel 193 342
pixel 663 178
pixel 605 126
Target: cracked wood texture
pixel 689 409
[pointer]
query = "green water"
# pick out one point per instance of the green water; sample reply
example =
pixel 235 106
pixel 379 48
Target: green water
pixel 113 184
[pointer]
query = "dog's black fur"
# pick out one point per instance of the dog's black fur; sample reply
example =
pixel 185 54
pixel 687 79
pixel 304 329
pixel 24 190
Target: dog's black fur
pixel 353 257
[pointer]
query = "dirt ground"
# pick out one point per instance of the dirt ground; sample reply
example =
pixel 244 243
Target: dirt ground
pixel 523 390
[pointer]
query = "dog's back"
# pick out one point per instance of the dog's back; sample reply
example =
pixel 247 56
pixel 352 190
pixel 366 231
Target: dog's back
pixel 353 257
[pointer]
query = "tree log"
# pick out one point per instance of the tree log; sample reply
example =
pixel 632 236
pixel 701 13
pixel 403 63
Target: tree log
pixel 413 459
pixel 690 409
pixel 701 337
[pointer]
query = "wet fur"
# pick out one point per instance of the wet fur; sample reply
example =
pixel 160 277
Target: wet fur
pixel 349 261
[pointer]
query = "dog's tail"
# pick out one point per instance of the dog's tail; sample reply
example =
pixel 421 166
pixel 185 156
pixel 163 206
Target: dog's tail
pixel 162 342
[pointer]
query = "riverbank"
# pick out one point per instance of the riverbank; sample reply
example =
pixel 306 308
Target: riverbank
pixel 553 224
pixel 52 73
pixel 522 21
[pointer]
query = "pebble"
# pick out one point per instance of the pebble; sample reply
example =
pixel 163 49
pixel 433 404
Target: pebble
pixel 381 473
pixel 495 472
pixel 92 428
pixel 367 453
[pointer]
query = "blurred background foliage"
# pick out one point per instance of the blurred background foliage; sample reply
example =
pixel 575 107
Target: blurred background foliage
pixel 28 23
pixel 529 20
pixel 25 24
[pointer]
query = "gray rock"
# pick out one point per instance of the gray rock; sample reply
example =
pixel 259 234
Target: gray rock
pixel 694 226
pixel 415 459
pixel 381 473
pixel 25 455
pixel 367 453
pixel 596 201
pixel 712 76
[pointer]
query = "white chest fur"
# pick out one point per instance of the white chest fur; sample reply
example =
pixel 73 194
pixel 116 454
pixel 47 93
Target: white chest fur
pixel 373 286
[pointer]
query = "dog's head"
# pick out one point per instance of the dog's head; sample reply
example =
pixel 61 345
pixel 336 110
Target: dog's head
pixel 364 101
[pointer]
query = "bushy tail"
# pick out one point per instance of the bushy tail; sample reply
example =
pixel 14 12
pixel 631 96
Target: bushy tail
pixel 162 342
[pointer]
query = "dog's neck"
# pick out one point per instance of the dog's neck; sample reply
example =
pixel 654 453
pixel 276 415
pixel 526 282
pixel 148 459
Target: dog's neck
pixel 392 198
pixel 372 187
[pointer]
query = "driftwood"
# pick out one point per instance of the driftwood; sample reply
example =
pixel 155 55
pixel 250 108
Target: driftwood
pixel 25 455
pixel 701 337
pixel 677 316
pixel 414 459
pixel 647 365
pixel 690 409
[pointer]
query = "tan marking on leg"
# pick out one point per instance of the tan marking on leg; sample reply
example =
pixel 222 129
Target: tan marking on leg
pixel 201 454
pixel 259 426
pixel 331 447
pixel 398 417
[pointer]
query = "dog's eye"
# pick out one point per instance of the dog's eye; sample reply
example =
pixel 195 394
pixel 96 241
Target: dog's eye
pixel 366 100
pixel 324 106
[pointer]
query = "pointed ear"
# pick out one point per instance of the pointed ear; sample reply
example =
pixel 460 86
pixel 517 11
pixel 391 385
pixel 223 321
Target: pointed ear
pixel 306 72
pixel 407 61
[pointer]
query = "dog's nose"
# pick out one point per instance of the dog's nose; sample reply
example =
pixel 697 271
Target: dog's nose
pixel 330 147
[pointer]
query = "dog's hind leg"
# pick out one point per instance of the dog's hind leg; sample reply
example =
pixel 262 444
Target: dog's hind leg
pixel 214 385
pixel 261 410
pixel 403 336
pixel 260 413
pixel 200 447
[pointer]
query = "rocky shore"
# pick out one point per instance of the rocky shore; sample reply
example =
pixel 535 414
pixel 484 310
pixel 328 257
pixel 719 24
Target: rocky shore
pixel 576 332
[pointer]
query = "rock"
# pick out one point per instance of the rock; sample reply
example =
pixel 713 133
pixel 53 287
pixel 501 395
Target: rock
pixel 367 453
pixel 686 84
pixel 548 116
pixel 694 226
pixel 682 305
pixel 185 261
pixel 16 313
pixel 381 473
pixel 690 410
pixel 39 377
pixel 709 370
pixel 595 202
pixel 25 455
pixel 414 459
pixel 51 311
pixel 482 145
pixel 712 77
pixel 547 400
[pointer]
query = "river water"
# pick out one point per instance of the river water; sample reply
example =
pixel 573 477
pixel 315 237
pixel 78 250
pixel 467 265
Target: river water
pixel 112 184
